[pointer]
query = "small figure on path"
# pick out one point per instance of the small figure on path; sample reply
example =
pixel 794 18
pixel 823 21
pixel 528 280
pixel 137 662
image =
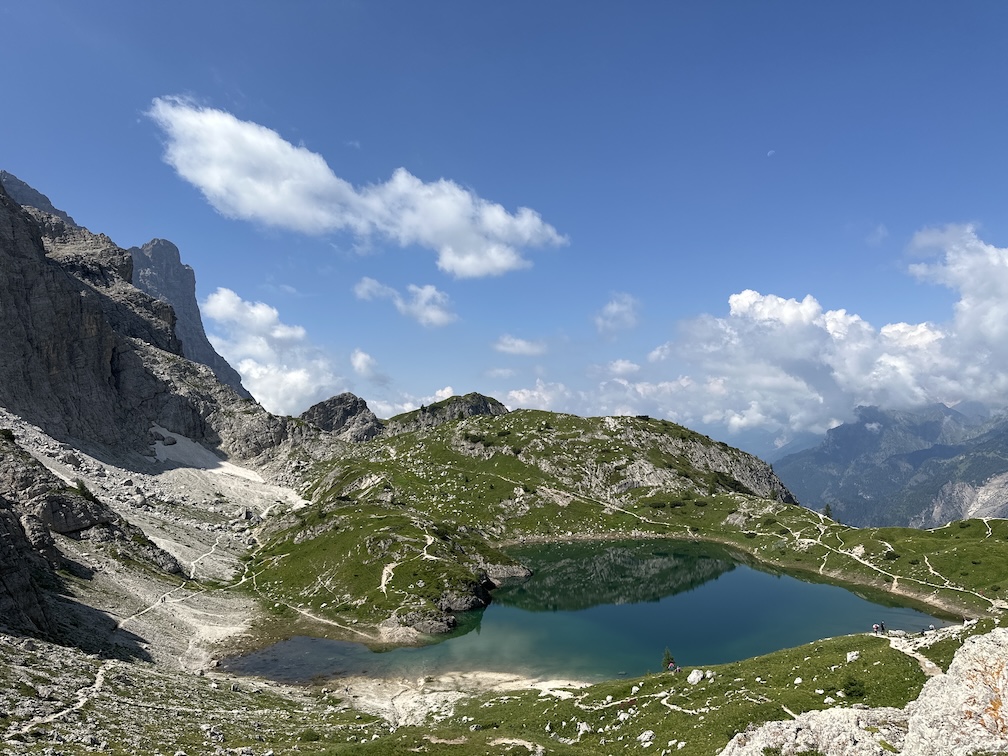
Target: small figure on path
pixel 874 628
pixel 882 627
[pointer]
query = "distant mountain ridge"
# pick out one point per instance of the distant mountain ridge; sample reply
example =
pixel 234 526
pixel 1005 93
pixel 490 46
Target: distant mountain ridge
pixel 921 467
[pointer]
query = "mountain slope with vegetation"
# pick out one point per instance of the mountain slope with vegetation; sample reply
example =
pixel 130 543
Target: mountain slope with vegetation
pixel 410 525
pixel 155 520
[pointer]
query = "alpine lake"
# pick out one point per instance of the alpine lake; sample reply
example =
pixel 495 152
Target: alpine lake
pixel 599 611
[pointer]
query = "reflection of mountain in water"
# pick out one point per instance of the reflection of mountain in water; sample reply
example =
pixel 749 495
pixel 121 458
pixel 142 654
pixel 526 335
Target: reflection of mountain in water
pixel 577 576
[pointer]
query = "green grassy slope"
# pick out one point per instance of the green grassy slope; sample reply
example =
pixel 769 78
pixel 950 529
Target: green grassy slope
pixel 405 529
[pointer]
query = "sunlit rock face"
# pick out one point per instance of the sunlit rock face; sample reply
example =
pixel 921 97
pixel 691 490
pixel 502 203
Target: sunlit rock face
pixel 158 271
pixel 345 415
pixel 957 713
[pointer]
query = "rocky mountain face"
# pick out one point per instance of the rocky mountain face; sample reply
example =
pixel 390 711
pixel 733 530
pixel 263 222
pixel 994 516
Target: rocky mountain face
pixel 97 362
pixel 35 505
pixel 27 196
pixel 915 467
pixel 158 271
pixel 346 416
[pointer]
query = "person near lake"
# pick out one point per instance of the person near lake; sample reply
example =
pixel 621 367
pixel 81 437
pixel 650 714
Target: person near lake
pixel 882 627
pixel 874 628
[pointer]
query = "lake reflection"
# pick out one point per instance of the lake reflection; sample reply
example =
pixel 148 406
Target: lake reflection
pixel 598 611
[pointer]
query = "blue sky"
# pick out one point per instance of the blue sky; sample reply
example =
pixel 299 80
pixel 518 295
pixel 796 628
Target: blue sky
pixel 745 217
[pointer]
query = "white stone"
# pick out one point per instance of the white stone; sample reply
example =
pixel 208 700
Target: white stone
pixel 956 714
pixel 694 677
pixel 853 656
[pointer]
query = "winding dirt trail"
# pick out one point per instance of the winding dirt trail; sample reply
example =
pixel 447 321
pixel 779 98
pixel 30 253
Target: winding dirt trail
pixel 927 666
pixel 84 695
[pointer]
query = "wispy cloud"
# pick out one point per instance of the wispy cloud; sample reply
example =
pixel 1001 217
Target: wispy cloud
pixel 277 363
pixel 425 304
pixel 366 367
pixel 248 171
pixel 544 395
pixel 622 367
pixel 619 314
pixel 512 345
pixel 877 235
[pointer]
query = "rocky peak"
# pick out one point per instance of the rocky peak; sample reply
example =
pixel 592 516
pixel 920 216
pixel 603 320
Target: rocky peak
pixel 346 416
pixel 158 270
pixel 26 196
pixel 449 410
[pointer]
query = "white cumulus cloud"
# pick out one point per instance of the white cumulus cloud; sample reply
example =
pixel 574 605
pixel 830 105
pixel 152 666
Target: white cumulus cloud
pixel 543 396
pixel 425 304
pixel 278 365
pixel 623 367
pixel 248 171
pixel 366 367
pixel 513 345
pixel 778 363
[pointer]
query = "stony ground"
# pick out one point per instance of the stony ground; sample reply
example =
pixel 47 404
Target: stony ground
pixel 161 691
pixel 171 632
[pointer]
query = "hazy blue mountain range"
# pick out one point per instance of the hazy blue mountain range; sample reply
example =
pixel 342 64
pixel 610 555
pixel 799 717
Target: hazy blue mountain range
pixel 921 467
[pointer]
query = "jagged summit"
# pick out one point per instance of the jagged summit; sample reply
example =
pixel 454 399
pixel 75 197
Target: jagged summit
pixel 346 416
pixel 25 195
pixel 94 360
pixel 453 408
pixel 159 271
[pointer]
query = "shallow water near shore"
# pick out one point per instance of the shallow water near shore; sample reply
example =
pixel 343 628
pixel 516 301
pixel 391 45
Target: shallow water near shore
pixel 595 612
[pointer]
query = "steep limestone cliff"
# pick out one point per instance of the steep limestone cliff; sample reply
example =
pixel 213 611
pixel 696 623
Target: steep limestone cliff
pixel 158 271
pixel 26 195
pixel 96 362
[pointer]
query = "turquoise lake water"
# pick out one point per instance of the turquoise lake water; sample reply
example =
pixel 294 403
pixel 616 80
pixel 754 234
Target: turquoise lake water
pixel 595 612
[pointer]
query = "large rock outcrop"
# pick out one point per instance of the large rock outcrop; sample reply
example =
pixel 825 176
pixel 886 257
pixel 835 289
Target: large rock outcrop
pixel 96 362
pixel 446 411
pixel 956 714
pixel 158 271
pixel 27 196
pixel 346 416
pixel 22 607
pixel 46 506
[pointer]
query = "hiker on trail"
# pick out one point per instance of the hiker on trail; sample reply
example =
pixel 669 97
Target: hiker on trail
pixel 882 627
pixel 874 628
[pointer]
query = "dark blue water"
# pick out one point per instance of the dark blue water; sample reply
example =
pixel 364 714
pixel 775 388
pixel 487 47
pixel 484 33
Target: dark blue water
pixel 738 613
